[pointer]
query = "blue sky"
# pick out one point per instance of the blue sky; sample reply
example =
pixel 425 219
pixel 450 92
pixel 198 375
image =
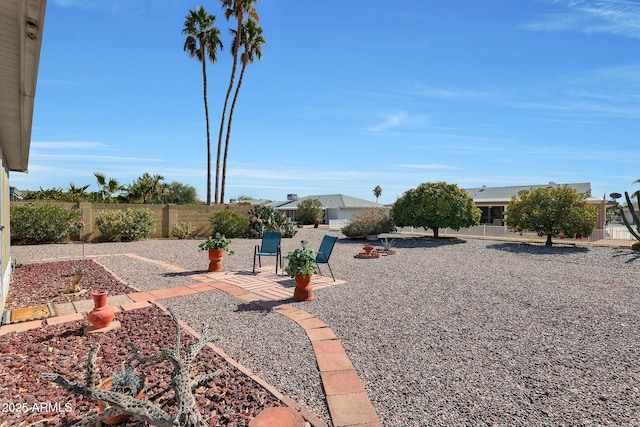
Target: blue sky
pixel 348 95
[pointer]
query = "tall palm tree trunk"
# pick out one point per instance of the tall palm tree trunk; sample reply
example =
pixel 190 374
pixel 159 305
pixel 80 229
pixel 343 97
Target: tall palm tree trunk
pixel 206 114
pixel 226 143
pixel 224 111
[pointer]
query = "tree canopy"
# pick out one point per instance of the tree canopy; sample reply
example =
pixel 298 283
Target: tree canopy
pixel 309 210
pixel 146 189
pixel 552 212
pixel 436 205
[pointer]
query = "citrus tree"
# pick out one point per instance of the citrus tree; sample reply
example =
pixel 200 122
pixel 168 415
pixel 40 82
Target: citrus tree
pixel 552 212
pixel 436 205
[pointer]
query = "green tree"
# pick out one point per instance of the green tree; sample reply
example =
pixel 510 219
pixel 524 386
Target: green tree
pixel 309 210
pixel 436 205
pixel 106 187
pixel 181 194
pixel 146 189
pixel 252 40
pixel 552 212
pixel 377 192
pixel 203 40
pixel 239 9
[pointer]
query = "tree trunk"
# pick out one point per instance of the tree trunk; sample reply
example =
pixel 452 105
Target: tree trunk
pixel 548 243
pixel 206 114
pixel 224 108
pixel 226 143
pixel 435 232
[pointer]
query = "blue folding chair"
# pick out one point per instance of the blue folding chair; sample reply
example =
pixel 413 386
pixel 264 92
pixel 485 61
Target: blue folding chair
pixel 324 253
pixel 270 246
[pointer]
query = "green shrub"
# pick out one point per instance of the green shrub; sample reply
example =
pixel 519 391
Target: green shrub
pixel 229 223
pixel 635 246
pixel 309 210
pixel 266 218
pixel 46 223
pixel 183 230
pixel 126 225
pixel 369 222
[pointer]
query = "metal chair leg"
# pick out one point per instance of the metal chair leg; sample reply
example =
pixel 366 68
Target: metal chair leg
pixel 329 265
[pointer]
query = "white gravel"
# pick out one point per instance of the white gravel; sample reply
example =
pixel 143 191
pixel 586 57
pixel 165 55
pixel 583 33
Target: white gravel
pixel 449 332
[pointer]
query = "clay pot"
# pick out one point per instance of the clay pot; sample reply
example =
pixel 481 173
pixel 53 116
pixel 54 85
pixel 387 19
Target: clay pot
pixel 106 385
pixel 102 313
pixel 215 260
pixel 303 290
pixel 368 249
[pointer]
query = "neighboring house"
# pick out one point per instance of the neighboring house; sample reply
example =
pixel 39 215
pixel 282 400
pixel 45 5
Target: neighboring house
pixel 334 206
pixel 21 25
pixel 493 201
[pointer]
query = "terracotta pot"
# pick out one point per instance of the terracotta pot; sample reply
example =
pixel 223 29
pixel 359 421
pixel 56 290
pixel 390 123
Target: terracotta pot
pixel 303 290
pixel 106 385
pixel 102 313
pixel 215 260
pixel 368 249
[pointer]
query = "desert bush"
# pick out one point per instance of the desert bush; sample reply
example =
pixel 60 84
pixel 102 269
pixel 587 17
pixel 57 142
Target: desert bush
pixel 266 218
pixel 309 210
pixel 229 223
pixel 46 223
pixel 126 225
pixel 369 222
pixel 183 230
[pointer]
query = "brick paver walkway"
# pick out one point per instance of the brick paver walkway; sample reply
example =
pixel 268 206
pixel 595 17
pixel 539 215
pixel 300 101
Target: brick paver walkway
pixel 346 398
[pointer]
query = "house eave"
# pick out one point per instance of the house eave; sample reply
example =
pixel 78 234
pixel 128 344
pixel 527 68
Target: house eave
pixel 21 28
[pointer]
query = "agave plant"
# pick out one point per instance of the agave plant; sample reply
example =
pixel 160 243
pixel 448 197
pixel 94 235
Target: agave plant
pixel 635 214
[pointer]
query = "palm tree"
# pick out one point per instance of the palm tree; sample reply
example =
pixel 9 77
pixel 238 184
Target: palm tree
pixel 77 194
pixel 107 187
pixel 251 38
pixel 377 192
pixel 237 9
pixel 203 40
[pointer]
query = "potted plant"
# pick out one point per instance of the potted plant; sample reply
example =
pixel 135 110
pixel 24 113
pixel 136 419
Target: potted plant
pixel 216 245
pixel 126 382
pixel 301 266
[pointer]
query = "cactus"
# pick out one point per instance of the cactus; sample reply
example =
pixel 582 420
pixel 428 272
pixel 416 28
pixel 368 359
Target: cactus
pixel 635 214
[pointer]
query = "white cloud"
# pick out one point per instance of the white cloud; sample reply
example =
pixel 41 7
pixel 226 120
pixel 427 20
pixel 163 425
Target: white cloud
pixel 67 145
pixel 619 17
pixel 93 157
pixel 394 120
pixel 453 94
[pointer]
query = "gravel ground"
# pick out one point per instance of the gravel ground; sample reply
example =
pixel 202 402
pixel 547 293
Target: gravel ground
pixel 450 332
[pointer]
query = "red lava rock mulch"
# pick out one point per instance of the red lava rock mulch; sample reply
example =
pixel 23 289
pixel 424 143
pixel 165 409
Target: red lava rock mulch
pixel 38 284
pixel 229 399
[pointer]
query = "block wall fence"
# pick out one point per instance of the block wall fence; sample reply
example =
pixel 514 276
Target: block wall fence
pixel 166 216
